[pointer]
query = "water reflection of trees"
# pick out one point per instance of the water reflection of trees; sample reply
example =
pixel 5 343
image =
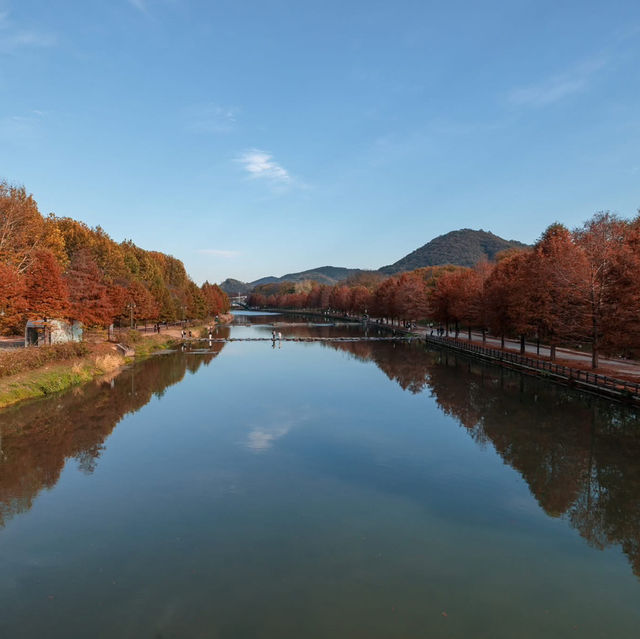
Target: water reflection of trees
pixel 38 438
pixel 580 455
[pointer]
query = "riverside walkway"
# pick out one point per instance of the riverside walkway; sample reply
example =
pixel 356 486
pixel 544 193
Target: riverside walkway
pixel 615 366
pixel 586 380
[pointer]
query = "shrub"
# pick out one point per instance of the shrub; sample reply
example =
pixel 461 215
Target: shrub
pixel 19 360
pixel 132 337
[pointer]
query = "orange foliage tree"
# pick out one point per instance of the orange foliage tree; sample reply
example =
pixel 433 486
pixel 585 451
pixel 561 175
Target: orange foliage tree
pixel 90 302
pixel 13 303
pixel 46 291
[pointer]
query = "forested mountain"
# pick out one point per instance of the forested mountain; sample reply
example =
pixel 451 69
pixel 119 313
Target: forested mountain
pixel 235 287
pixel 465 247
pixel 322 275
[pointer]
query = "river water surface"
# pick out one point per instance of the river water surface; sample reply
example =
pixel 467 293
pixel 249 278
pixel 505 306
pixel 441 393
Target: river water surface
pixel 326 489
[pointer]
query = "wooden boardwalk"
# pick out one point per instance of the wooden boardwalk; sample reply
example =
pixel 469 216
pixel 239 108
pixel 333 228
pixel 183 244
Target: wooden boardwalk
pixel 585 380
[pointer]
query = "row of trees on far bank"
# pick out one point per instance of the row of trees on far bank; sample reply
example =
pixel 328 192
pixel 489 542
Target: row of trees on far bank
pixel 580 286
pixel 59 267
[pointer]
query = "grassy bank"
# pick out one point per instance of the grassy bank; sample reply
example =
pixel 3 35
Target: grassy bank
pixel 37 372
pixel 54 375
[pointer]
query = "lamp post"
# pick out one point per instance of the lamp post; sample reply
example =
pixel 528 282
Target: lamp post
pixel 131 306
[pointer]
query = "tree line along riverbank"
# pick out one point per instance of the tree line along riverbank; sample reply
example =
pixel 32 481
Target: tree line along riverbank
pixel 577 287
pixel 57 267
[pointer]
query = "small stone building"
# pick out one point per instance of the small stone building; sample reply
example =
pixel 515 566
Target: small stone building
pixel 51 331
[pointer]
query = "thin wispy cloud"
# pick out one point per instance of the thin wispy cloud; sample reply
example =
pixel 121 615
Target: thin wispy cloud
pixel 20 129
pixel 210 118
pixel 141 5
pixel 144 5
pixel 219 253
pixel 261 165
pixel 13 37
pixel 557 87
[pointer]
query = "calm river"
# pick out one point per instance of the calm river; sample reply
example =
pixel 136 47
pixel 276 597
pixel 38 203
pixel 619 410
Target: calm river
pixel 319 490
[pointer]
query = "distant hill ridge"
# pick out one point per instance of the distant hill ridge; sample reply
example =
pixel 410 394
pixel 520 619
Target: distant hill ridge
pixel 464 247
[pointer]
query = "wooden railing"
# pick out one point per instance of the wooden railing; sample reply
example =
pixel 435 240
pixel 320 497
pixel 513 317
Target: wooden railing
pixel 588 380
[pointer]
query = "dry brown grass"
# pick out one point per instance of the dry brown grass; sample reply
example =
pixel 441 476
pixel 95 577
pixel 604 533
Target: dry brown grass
pixel 19 360
pixel 108 362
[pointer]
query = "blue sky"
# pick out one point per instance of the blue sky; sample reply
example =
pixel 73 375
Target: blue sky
pixel 253 138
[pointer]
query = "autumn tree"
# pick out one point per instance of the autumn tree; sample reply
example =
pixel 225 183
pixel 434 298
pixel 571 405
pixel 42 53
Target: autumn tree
pixel 361 299
pixel 23 231
pixel 610 247
pixel 216 300
pixel 90 303
pixel 503 297
pixel 340 298
pixel 548 288
pixel 46 291
pixel 411 297
pixel 456 298
pixel 13 303
pixel 140 304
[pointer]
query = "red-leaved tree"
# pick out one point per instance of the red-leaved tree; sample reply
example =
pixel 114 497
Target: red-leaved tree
pixel 46 291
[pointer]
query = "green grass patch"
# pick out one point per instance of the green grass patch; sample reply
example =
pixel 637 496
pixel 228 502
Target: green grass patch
pixel 148 347
pixel 41 384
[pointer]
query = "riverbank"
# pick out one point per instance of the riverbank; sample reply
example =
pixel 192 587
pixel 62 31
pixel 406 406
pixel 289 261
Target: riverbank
pixel 58 375
pixel 55 375
pixel 35 373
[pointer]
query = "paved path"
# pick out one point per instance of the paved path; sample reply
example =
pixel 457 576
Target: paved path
pixel 14 341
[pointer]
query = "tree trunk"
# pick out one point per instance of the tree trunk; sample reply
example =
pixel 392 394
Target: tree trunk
pixel 522 345
pixel 484 336
pixel 537 346
pixel 595 345
pixel 501 341
pixel 469 327
pixel 457 329
pixel 552 352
